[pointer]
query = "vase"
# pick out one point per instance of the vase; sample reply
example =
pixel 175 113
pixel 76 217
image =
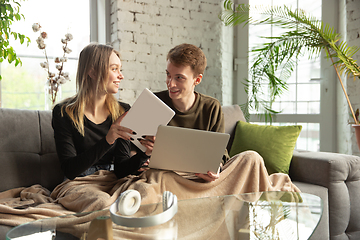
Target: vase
pixel 357 133
pixel 51 96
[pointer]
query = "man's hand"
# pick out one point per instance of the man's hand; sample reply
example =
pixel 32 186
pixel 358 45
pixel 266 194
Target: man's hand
pixel 209 177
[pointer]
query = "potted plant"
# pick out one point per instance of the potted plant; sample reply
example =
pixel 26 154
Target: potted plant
pixel 9 12
pixel 303 34
pixel 356 126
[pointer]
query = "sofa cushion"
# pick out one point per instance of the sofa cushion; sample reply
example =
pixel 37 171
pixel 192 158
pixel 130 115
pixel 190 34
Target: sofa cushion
pixel 27 150
pixel 274 143
pixel 232 114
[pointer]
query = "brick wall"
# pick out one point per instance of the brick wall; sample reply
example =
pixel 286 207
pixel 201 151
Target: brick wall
pixel 145 30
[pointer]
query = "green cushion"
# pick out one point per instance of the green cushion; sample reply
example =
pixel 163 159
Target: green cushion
pixel 274 143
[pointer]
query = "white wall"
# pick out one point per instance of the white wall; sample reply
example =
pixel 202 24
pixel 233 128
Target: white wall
pixel 343 133
pixel 350 31
pixel 145 30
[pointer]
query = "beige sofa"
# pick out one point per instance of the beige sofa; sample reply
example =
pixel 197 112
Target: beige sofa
pixel 28 156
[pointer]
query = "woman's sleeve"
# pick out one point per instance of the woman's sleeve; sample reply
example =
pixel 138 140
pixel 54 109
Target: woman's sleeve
pixel 124 163
pixel 73 164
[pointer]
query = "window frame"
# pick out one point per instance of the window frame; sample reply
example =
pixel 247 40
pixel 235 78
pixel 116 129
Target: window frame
pixel 99 15
pixel 327 116
pixel 100 11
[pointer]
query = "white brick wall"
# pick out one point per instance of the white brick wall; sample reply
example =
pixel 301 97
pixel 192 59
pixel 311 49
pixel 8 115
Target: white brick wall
pixel 227 58
pixel 145 30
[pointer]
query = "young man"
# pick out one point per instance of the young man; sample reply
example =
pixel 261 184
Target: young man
pixel 185 68
pixel 244 172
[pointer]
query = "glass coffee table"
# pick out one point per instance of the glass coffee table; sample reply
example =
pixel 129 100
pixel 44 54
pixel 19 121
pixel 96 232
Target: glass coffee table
pixel 266 215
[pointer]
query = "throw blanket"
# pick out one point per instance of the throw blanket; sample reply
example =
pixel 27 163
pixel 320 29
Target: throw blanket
pixel 243 173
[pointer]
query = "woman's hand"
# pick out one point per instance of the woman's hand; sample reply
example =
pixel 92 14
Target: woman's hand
pixel 148 142
pixel 117 131
pixel 144 167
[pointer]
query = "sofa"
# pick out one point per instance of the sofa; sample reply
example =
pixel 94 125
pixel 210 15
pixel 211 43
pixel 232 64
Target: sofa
pixel 28 157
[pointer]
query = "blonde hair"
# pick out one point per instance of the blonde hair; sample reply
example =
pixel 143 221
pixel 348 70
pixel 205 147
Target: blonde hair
pixel 94 62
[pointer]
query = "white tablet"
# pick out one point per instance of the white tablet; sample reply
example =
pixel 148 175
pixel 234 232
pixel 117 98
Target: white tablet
pixel 145 116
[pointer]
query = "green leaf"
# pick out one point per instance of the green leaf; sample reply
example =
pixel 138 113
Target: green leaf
pixel 17 16
pixel 17 62
pixel 9 12
pixel 2 9
pixel 21 37
pixel 15 35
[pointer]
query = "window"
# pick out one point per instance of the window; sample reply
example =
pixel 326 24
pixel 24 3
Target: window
pixel 24 86
pixel 306 103
pixel 303 96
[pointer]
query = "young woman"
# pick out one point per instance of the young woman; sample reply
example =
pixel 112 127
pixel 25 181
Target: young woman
pixel 87 127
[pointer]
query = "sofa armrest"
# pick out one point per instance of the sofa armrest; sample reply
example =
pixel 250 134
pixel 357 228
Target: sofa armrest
pixel 340 173
pixel 323 168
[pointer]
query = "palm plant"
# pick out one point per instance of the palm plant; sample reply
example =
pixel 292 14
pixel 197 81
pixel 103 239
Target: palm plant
pixel 276 59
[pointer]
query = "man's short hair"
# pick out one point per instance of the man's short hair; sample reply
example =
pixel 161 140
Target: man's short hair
pixel 188 55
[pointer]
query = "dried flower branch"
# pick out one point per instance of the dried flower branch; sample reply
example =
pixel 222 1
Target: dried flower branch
pixel 53 80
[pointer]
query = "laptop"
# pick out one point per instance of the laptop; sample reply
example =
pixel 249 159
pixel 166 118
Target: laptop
pixel 188 150
pixel 145 115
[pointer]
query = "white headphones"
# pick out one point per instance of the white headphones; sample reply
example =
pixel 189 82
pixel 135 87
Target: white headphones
pixel 129 202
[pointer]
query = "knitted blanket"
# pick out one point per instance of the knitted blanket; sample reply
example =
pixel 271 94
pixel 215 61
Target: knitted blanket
pixel 243 173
